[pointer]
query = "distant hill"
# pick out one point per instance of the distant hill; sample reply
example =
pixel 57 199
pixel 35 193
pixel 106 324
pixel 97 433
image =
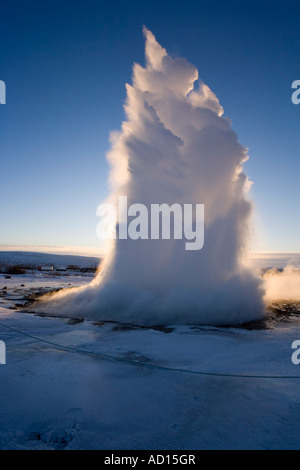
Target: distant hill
pixel 11 258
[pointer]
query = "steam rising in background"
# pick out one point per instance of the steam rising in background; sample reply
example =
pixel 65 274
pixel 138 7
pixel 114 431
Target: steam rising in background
pixel 175 147
pixel 281 275
pixel 282 285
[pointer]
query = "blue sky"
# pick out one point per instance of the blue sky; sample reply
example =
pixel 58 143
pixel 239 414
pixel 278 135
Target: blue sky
pixel 65 65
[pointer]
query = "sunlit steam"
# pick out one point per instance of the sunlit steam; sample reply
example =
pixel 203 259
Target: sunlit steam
pixel 175 147
pixel 282 284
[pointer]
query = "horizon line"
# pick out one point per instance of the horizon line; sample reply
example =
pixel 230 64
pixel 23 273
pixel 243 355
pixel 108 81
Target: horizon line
pixel 68 250
pixel 97 252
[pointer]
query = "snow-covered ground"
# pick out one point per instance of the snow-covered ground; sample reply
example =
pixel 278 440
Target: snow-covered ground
pixel 54 398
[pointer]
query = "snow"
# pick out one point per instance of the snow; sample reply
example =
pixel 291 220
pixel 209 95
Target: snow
pixel 39 259
pixel 44 279
pixel 57 399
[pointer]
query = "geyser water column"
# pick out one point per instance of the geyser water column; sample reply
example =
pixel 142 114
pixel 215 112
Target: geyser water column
pixel 175 147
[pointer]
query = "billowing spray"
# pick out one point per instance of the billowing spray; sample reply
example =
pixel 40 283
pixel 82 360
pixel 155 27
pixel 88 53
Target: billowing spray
pixel 174 148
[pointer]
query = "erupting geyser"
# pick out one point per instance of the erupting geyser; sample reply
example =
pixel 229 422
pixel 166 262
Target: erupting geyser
pixel 175 147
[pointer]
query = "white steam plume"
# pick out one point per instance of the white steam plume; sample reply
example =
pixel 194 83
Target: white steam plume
pixel 175 147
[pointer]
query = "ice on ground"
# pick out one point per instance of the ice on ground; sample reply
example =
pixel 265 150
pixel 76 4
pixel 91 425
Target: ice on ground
pixel 53 398
pixel 16 291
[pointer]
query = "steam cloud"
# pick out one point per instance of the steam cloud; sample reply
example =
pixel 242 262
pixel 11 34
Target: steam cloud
pixel 175 147
pixel 282 285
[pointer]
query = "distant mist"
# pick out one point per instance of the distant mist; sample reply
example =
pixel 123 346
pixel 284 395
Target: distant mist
pixel 283 284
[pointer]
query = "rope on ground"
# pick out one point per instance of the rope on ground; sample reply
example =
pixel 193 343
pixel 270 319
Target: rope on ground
pixel 109 357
